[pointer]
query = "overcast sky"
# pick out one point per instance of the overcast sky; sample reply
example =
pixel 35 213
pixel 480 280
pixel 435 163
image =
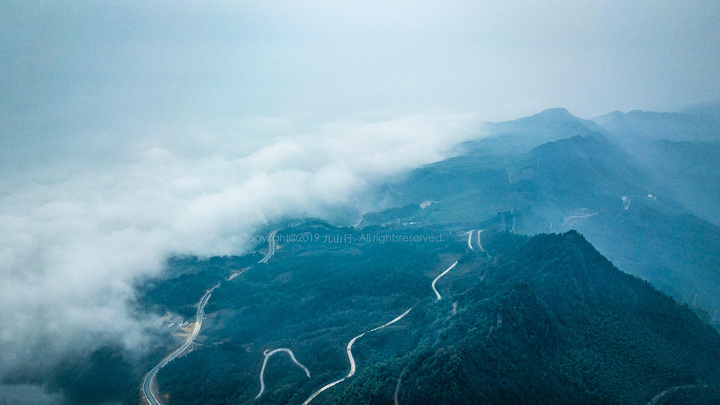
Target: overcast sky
pixel 104 64
pixel 92 74
pixel 130 131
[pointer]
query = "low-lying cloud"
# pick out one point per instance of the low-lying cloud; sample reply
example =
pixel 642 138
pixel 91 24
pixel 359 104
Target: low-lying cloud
pixel 76 239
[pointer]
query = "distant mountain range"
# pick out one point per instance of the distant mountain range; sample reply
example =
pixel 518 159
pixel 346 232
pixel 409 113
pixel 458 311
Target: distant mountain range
pixel 680 149
pixel 489 278
pixel 644 188
pixel 543 319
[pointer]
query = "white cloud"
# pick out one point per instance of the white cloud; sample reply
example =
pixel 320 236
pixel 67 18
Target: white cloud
pixel 75 242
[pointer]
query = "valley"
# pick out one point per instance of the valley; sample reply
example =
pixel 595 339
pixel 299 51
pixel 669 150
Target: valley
pixel 369 281
pixel 526 306
pixel 360 203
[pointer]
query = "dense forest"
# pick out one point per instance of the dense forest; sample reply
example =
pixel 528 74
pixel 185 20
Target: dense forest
pixel 556 172
pixel 542 319
pixel 522 319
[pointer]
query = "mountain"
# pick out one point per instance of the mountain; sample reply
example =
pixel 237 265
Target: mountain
pixel 682 149
pixel 552 321
pixel 543 319
pixel 586 181
pixel 523 134
pixel 500 275
pixel 637 126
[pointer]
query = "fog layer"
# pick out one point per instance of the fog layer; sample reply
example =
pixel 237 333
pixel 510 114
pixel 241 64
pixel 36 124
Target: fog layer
pixel 131 131
pixel 73 246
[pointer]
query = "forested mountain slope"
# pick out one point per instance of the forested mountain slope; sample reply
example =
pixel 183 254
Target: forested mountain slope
pixel 542 319
pixel 548 320
pixel 585 180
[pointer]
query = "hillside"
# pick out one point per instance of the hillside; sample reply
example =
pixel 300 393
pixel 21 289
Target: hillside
pixel 552 321
pixel 681 148
pixel 542 319
pixel 587 181
pixel 447 297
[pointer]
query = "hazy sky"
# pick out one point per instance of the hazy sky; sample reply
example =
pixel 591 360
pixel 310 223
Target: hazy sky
pixel 110 63
pixel 95 73
pixel 130 131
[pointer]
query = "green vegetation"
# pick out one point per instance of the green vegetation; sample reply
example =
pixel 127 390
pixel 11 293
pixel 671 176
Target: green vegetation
pixel 312 297
pixel 551 322
pixel 555 172
pixel 545 319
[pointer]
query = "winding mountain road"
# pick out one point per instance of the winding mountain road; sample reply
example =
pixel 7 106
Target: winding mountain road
pixel 673 389
pixel 186 346
pixel 147 385
pixel 580 216
pixel 271 247
pixel 267 356
pixel 351 358
pixel 397 387
pixel 469 234
pixel 439 297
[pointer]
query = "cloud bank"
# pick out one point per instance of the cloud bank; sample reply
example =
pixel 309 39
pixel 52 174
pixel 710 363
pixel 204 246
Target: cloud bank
pixel 77 238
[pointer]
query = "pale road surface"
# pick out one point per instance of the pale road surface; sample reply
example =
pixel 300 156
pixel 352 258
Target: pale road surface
pixel 152 375
pixel 267 356
pixel 350 356
pixel 397 387
pixel 469 234
pixel 237 273
pixel 672 389
pixel 438 278
pixel 580 216
pixel 352 341
pixel 352 359
pixel 271 247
